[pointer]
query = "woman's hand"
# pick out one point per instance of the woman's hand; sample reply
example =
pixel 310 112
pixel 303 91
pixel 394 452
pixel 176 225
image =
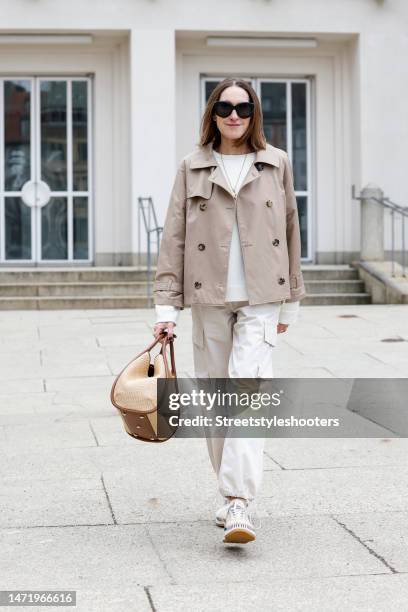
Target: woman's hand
pixel 159 327
pixel 282 327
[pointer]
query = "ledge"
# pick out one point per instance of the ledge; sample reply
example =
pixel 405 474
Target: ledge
pixel 384 288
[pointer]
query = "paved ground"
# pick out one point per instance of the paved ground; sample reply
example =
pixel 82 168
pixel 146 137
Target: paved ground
pixel 130 525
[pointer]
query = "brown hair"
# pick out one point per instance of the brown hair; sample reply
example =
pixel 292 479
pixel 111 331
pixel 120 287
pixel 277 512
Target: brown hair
pixel 254 135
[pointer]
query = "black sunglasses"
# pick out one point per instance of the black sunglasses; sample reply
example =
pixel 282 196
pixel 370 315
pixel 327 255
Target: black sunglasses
pixel 224 109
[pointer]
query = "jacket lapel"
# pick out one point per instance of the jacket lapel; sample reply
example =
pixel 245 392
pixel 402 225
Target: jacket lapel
pixel 204 158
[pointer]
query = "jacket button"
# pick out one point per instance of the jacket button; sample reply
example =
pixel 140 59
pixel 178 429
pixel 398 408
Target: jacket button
pixel 197 285
pixel 281 280
pixel 203 205
pixel 201 246
pixel 275 242
pixel 269 202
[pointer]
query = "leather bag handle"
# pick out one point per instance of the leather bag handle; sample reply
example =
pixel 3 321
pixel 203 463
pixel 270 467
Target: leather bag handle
pixel 163 351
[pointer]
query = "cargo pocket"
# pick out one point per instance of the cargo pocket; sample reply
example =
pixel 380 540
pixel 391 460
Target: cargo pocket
pixel 198 335
pixel 270 333
pixel 270 339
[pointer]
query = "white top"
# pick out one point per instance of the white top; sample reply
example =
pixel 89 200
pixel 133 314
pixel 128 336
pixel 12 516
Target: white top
pixel 236 289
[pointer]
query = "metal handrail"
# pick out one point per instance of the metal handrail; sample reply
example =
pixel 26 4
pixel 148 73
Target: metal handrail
pixel 395 209
pixel 147 213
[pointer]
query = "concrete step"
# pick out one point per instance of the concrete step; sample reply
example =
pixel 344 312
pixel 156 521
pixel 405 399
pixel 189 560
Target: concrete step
pixel 135 273
pixel 127 287
pixel 74 275
pixel 336 298
pixel 70 289
pixel 141 301
pixel 100 289
pixel 329 272
pixel 335 286
pixel 71 303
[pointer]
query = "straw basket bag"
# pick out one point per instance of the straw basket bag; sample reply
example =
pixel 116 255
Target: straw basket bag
pixel 135 392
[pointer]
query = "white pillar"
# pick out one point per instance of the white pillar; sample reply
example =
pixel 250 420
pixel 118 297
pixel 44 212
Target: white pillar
pixel 153 122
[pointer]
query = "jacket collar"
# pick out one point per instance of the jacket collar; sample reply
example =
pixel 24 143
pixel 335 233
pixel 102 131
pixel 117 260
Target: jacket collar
pixel 203 156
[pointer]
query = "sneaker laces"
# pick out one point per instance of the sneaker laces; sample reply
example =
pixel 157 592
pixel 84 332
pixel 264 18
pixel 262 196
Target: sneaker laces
pixel 252 514
pixel 240 511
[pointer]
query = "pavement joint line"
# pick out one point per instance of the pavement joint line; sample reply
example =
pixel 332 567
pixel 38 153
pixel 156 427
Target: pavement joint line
pixel 337 467
pixel 146 589
pixel 109 502
pixel 274 460
pixel 370 550
pixel 182 522
pixel 375 358
pixel 93 432
pixel 162 561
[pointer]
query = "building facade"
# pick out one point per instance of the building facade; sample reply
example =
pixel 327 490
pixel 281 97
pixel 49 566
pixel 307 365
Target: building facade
pixel 99 101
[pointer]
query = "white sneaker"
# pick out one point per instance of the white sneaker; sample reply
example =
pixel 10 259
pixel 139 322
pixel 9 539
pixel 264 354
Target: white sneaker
pixel 221 513
pixel 238 526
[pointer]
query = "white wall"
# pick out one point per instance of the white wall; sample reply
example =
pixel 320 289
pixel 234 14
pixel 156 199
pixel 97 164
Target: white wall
pixel 360 93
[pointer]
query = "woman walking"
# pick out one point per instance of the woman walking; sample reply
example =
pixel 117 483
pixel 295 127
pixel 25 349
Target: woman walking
pixel 230 249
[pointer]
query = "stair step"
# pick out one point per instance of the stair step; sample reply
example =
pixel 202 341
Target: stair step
pixel 73 289
pixel 21 276
pixel 127 286
pixel 334 286
pixel 77 302
pixel 115 301
pixel 336 298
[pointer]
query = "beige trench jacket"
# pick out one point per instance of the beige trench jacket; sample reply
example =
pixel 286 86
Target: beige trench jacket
pixel 192 266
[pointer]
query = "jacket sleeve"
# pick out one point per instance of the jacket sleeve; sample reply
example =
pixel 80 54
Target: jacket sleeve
pixel 296 283
pixel 168 284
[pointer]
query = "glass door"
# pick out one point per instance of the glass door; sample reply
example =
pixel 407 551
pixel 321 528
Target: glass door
pixel 286 114
pixel 45 195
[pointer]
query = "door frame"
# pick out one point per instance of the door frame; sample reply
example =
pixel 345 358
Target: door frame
pixel 35 169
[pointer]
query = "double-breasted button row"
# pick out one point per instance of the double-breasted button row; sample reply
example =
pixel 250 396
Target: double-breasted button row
pixel 275 242
pixel 197 285
pixel 203 205
pixel 201 246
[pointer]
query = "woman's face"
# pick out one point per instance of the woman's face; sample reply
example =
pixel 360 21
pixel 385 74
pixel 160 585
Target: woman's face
pixel 233 127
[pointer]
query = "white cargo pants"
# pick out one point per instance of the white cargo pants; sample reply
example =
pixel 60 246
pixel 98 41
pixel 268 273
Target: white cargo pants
pixel 236 340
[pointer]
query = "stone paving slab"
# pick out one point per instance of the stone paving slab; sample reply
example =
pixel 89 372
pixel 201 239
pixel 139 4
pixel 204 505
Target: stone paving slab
pixel 75 384
pixel 72 434
pixel 363 489
pixel 53 463
pixel 379 593
pixel 96 558
pixel 49 503
pixel 385 533
pixel 295 547
pixel 306 454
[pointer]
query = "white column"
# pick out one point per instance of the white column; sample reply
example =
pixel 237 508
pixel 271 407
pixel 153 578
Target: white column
pixel 153 122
